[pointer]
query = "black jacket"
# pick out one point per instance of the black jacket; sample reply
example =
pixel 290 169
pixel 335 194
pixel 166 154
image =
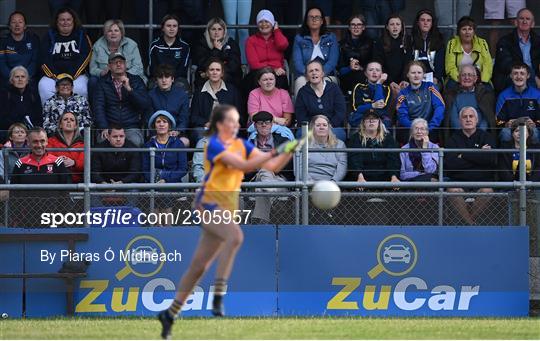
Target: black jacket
pixel 202 104
pixel 375 166
pixel 16 107
pixel 126 112
pixel 470 166
pixel 395 60
pixel 508 164
pixel 508 53
pixel 229 54
pixel 361 49
pixel 118 166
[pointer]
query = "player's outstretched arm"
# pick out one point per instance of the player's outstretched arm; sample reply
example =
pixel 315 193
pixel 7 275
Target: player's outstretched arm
pixel 256 159
pixel 276 164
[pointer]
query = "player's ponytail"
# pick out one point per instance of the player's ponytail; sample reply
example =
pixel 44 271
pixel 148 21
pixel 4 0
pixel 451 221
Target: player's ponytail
pixel 218 115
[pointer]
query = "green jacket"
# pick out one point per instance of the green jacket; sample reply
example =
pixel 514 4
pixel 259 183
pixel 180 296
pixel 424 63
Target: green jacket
pixel 480 56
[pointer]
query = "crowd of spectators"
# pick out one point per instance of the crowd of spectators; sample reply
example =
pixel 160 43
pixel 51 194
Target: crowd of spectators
pixel 415 90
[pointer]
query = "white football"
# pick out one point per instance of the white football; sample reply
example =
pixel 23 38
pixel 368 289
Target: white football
pixel 325 194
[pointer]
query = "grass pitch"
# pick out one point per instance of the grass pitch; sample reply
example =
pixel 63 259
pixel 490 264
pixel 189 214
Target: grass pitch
pixel 274 328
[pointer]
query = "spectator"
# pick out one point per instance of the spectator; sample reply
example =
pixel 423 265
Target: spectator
pixel 394 51
pixel 266 48
pixel 170 49
pixel 197 164
pixel 38 167
pixel 377 11
pixel 494 13
pixel 19 47
pixel 371 94
pixel 428 46
pixel 17 134
pixel 373 166
pixel 509 162
pixel 68 136
pixel 314 42
pixel 214 91
pixel 114 40
pixel 171 98
pixel 64 100
pixel 419 166
pixel 467 48
pixel 355 51
pixel 216 43
pixel 470 167
pixel 265 139
pixel 19 102
pixel 120 98
pixel 66 49
pixel 325 166
pixel 320 97
pixel 469 93
pixel 420 100
pixel 271 99
pixel 518 100
pixel 238 12
pixel 171 167
pixel 521 45
pixel 118 167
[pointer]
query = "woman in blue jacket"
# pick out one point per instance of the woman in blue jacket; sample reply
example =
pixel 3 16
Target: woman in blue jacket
pixel 18 48
pixel 314 42
pixel 171 167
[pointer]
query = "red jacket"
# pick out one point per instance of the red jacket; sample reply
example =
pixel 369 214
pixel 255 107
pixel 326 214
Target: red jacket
pixel 261 52
pixel 76 170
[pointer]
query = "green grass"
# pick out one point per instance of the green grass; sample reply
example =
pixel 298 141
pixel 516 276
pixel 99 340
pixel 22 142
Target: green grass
pixel 274 328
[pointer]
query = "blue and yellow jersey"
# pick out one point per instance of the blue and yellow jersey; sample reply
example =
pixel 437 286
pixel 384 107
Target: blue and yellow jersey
pixel 221 184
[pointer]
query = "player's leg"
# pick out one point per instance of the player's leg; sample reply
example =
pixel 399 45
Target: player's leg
pixel 207 250
pixel 233 237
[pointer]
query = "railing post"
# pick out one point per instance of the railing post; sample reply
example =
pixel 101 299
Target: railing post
pixel 150 22
pixel 152 177
pixel 6 181
pixel 441 190
pixel 522 175
pixel 87 170
pixel 305 192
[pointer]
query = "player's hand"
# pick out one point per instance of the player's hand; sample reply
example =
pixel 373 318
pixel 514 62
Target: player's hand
pixel 287 147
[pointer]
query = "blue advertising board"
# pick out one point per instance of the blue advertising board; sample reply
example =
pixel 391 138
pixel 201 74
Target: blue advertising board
pixel 385 271
pixel 284 270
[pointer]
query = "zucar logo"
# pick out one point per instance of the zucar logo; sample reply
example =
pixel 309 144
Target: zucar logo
pixel 140 259
pixel 397 256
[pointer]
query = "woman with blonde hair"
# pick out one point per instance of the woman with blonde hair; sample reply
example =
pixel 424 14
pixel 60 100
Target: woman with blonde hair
pixel 216 43
pixel 375 166
pixel 325 166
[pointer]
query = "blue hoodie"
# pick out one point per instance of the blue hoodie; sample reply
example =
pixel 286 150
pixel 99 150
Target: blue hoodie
pixel 170 166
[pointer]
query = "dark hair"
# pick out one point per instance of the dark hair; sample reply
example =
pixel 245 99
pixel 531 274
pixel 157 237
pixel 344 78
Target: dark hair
pixel 521 65
pixel 169 17
pixel 215 60
pixel 466 21
pixel 304 30
pixel 15 13
pixel 266 69
pixel 387 38
pixel 114 126
pixel 218 115
pixel 36 130
pixel 435 37
pixel 164 70
pixel 76 20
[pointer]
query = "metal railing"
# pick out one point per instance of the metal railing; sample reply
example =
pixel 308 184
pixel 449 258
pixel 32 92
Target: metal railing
pixel 298 190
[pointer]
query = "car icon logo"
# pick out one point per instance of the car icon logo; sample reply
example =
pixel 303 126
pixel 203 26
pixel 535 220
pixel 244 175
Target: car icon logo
pixel 396 253
pixel 143 254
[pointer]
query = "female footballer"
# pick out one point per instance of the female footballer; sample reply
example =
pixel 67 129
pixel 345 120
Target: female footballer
pixel 226 159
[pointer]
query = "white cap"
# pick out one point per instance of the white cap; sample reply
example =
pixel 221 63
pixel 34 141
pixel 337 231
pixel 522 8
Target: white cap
pixel 265 14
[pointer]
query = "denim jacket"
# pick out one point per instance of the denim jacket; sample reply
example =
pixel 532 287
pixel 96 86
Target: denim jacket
pixel 303 49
